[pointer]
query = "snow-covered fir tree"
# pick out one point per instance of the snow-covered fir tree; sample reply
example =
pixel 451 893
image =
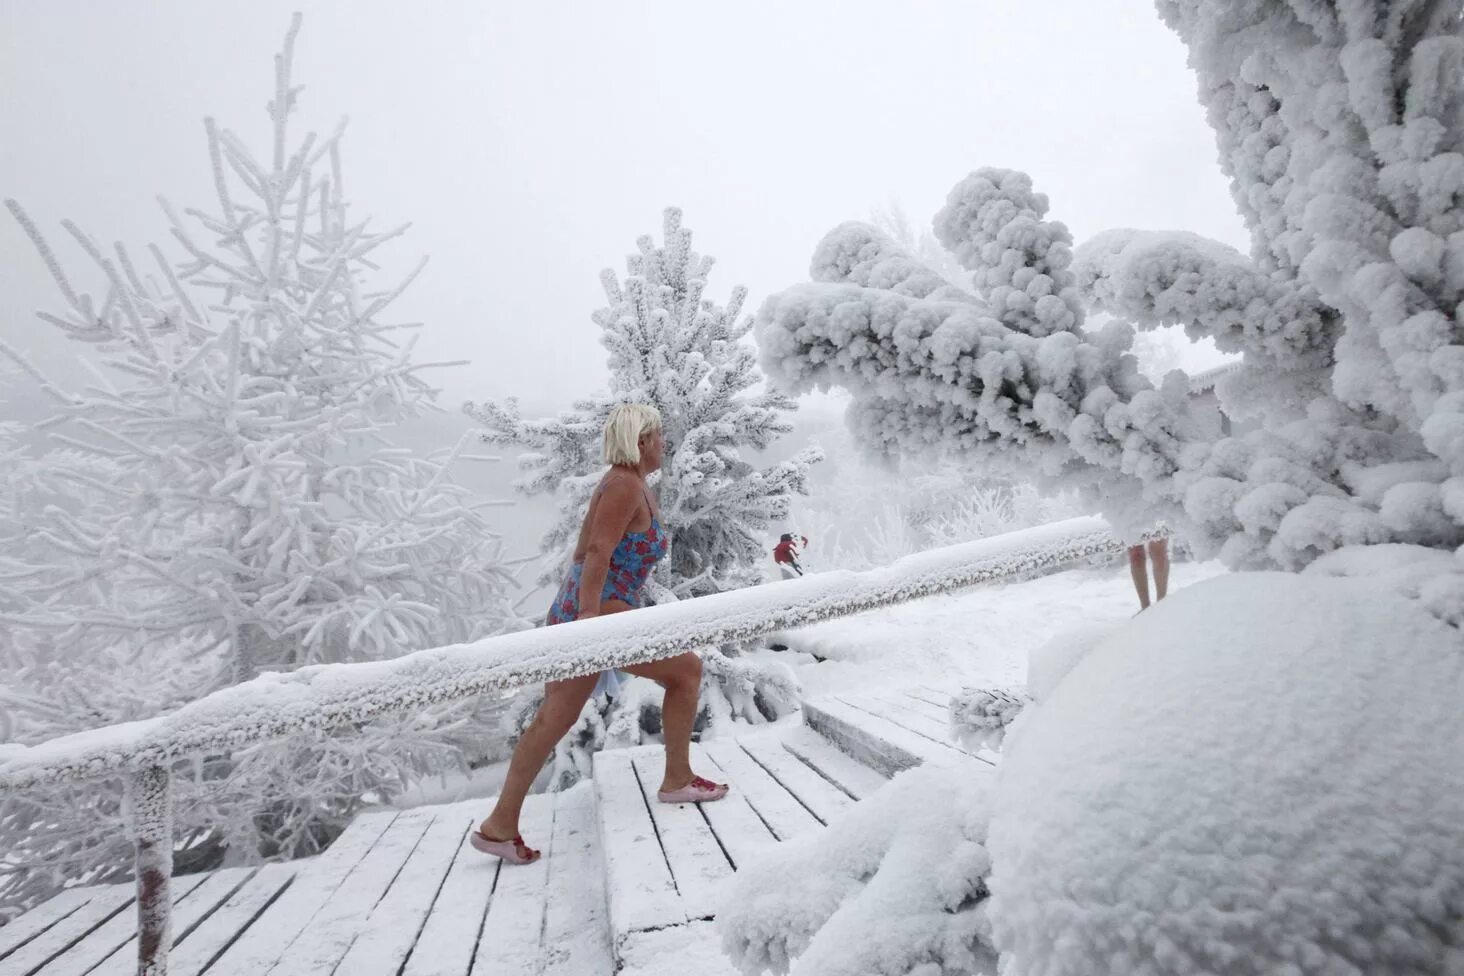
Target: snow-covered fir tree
pixel 671 346
pixel 1341 129
pixel 224 497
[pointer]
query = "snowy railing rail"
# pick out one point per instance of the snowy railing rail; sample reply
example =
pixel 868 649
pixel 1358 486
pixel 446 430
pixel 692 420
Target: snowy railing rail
pixel 324 697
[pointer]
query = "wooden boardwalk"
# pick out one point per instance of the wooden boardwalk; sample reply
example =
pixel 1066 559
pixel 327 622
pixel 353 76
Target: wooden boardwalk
pixel 628 885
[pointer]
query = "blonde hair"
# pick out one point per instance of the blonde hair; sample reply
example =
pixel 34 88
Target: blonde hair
pixel 623 430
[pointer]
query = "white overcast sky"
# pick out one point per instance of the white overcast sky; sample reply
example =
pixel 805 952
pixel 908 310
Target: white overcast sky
pixel 529 143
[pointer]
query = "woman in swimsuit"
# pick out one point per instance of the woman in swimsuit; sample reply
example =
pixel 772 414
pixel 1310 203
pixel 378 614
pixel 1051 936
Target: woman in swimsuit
pixel 619 543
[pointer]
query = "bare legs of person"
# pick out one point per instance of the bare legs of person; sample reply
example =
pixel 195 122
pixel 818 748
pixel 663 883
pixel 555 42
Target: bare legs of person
pixel 563 701
pixel 681 677
pixel 1159 559
pixel 1158 554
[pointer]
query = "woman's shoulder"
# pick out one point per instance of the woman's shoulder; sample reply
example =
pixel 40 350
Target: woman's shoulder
pixel 619 481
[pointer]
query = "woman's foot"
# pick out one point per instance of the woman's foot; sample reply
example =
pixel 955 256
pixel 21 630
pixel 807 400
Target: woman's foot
pixel 697 790
pixel 511 849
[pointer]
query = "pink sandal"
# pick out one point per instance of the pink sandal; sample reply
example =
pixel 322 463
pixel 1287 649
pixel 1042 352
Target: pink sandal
pixel 513 851
pixel 697 791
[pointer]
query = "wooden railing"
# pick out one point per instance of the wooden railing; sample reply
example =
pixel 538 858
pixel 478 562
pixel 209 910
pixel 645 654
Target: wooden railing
pixel 326 697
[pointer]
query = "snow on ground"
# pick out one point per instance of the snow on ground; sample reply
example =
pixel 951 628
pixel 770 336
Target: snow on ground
pixel 979 637
pixel 1262 775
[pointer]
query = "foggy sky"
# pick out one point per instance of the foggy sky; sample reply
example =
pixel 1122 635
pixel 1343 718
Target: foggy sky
pixel 530 143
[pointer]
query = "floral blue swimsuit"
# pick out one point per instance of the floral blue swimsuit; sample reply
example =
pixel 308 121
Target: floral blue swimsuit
pixel 630 566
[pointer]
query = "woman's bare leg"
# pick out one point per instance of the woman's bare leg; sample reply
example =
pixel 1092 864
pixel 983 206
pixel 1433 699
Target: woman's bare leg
pixel 563 701
pixel 681 677
pixel 1140 573
pixel 1159 556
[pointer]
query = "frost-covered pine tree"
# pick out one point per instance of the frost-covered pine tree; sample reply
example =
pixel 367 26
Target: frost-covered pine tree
pixel 1341 129
pixel 671 346
pixel 224 497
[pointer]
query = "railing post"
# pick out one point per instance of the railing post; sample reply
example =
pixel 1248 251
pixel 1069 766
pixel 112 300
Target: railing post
pixel 150 802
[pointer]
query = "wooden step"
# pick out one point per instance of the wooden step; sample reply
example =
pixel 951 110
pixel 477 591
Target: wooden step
pixel 888 732
pixel 666 866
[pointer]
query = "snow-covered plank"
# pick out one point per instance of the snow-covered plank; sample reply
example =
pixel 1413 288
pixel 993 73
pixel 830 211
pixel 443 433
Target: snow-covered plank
pixel 106 904
pixel 932 694
pixel 686 950
pixel 698 865
pixel 916 702
pixel 938 732
pixel 638 882
pixel 397 919
pixel 738 828
pixel 839 768
pixel 21 930
pixel 513 931
pixel 217 932
pixel 315 884
pixel 317 951
pixel 822 798
pixel 189 908
pixel 446 944
pixel 576 922
pixel 873 740
pixel 118 931
pixel 785 816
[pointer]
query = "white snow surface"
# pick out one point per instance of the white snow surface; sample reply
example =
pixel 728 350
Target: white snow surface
pixel 1050 663
pixel 979 638
pixel 1262 774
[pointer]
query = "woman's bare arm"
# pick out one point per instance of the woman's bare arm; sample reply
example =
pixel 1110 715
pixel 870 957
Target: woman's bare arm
pixel 620 499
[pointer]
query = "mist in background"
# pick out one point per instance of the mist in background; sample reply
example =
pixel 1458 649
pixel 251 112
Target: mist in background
pixel 530 144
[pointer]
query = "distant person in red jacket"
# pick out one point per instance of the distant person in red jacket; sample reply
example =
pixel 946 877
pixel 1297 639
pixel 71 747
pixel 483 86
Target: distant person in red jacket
pixel 785 554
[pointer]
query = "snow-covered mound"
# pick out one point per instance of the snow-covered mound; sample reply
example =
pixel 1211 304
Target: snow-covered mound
pixel 1262 774
pixel 899 882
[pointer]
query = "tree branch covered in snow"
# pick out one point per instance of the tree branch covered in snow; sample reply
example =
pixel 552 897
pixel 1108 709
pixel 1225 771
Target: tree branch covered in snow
pixel 1341 131
pixel 898 888
pixel 980 716
pixel 1128 834
pixel 225 498
pixel 1176 278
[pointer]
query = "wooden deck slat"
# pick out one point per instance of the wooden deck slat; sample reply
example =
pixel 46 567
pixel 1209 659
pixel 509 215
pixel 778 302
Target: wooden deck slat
pixel 395 922
pixel 120 930
pixel 825 800
pixel 103 905
pixel 576 922
pixel 886 721
pixel 514 928
pixel 935 696
pixel 738 828
pixel 639 886
pixel 446 944
pixel 906 698
pixel 783 814
pixel 271 934
pixel 317 951
pixel 187 914
pixel 21 930
pixel 846 772
pixel 698 865
pixel 936 731
pixel 230 919
pixel 625 879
